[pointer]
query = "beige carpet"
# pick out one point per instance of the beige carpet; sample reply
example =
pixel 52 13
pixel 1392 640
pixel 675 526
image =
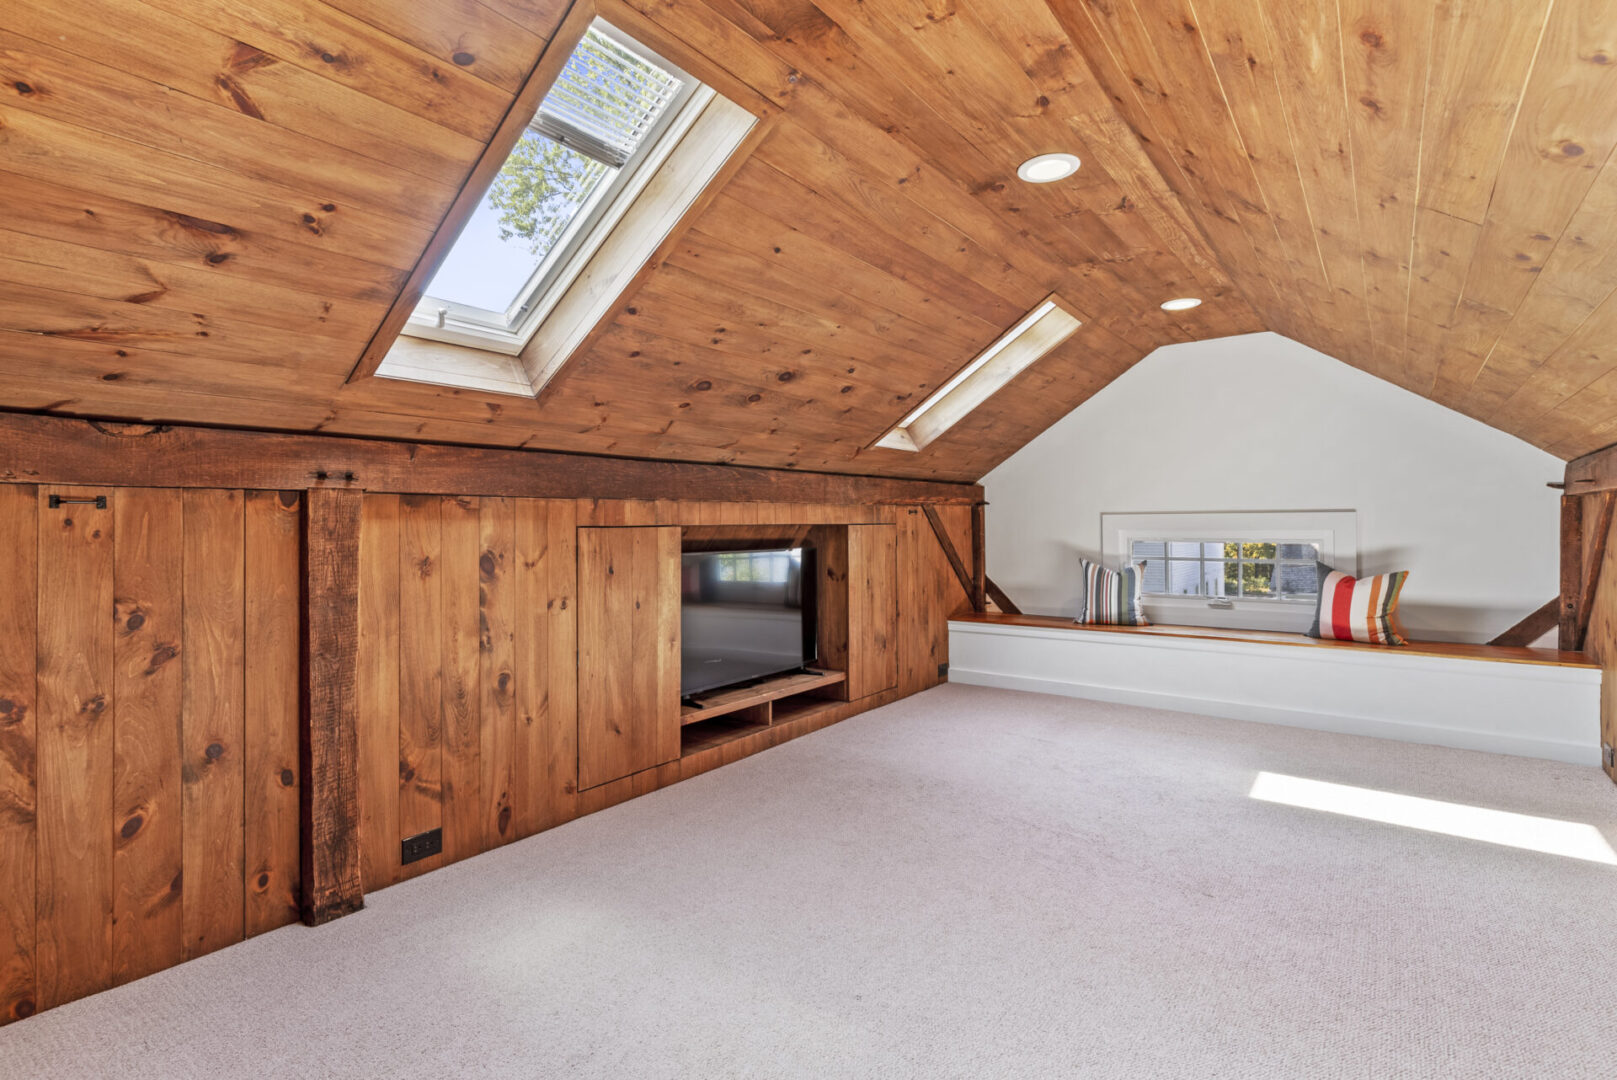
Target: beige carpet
pixel 970 883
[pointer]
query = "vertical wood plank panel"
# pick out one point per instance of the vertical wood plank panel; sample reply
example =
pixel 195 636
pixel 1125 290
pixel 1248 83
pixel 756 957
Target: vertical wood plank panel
pixel 19 585
pixel 148 933
pixel 213 732
pixel 273 523
pixel 547 663
pixel 462 698
pixel 75 747
pixel 497 663
pixel 628 621
pixel 872 609
pixel 328 738
pixel 420 673
pixel 378 691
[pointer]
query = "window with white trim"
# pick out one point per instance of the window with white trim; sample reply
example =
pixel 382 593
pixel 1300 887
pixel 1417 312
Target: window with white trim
pixel 1253 569
pixel 1249 569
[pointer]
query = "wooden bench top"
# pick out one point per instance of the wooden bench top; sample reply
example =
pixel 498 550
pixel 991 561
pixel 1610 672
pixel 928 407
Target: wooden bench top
pixel 1501 654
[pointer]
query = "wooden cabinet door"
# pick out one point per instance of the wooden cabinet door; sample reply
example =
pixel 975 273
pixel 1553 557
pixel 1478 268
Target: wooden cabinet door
pixel 628 651
pixel 872 609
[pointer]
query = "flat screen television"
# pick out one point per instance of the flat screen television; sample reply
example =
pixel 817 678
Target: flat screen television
pixel 744 615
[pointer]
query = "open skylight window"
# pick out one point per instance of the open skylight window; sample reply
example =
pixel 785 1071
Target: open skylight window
pixel 619 148
pixel 1039 331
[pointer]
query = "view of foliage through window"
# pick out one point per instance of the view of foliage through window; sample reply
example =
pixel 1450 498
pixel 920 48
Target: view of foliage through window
pixel 1252 569
pixel 764 567
pixel 611 97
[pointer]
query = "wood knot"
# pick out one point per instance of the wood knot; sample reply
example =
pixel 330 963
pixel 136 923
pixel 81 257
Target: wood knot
pixel 464 59
pixel 215 258
pixel 702 385
pixel 847 389
pixel 161 655
pixel 1371 38
pixel 288 778
pixel 112 376
pixel 23 1009
pixel 786 376
pixel 754 398
pixel 487 565
pixel 263 881
pixel 1571 149
pixel 22 88
pixel 136 620
pixel 6 706
pixel 504 681
pixel 131 827
pixel 504 821
pixel 95 706
pixel 214 752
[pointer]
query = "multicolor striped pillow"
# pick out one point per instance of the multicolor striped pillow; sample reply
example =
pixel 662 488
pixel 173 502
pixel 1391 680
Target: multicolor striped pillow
pixel 1111 597
pixel 1358 609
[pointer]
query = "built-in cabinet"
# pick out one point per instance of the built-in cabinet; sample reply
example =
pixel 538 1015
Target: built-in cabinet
pixel 628 651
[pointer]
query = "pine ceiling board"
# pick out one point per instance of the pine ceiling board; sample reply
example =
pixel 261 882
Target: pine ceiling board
pixel 1161 86
pixel 344 49
pixel 767 190
pixel 52 264
pixel 238 257
pixel 1234 35
pixel 123 106
pixel 470 35
pixel 149 43
pixel 1564 130
pixel 1307 51
pixel 1578 278
pixel 45 149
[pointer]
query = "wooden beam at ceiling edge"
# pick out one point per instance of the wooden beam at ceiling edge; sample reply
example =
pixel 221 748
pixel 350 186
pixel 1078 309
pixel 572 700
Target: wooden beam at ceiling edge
pixel 1592 472
pixel 63 450
pixel 329 733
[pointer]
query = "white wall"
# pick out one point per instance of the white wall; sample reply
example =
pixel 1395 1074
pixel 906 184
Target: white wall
pixel 1259 422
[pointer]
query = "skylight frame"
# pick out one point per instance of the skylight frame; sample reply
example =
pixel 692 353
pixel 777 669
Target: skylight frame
pixel 1029 340
pixel 509 332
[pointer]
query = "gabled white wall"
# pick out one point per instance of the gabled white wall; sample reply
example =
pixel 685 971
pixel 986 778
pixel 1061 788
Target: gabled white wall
pixel 1259 422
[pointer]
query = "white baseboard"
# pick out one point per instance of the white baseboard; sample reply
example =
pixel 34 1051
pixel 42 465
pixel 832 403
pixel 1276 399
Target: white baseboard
pixel 1540 712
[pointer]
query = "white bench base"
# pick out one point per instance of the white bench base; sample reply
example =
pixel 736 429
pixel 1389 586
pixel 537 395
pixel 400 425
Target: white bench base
pixel 1533 710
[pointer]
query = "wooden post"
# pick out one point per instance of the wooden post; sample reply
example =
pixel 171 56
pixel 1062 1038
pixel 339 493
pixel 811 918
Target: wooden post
pixel 979 558
pixel 1571 569
pixel 329 743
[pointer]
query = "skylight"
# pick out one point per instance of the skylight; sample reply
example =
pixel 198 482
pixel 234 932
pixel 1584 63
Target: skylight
pixel 616 155
pixel 598 125
pixel 1039 331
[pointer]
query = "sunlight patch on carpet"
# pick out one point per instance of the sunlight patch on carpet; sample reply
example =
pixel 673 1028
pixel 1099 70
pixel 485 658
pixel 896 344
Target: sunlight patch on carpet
pixel 1571 839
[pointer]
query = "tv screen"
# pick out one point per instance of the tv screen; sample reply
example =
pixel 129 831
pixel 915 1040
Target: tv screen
pixel 744 615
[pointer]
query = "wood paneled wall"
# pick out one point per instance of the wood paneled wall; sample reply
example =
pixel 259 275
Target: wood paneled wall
pixel 467 677
pixel 148 731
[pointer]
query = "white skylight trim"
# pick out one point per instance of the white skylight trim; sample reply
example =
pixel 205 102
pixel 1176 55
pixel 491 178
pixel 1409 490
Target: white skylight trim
pixel 620 148
pixel 1034 335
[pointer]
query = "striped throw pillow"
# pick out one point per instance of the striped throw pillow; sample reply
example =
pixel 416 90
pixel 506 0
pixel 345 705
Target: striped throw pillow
pixel 1111 597
pixel 1358 609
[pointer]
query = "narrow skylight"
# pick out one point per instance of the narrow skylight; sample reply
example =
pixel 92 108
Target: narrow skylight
pixel 1039 331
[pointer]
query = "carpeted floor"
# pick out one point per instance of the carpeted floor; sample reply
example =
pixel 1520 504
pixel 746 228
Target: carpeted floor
pixel 969 883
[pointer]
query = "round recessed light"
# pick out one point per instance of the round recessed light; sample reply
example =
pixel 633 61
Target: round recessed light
pixel 1048 167
pixel 1184 303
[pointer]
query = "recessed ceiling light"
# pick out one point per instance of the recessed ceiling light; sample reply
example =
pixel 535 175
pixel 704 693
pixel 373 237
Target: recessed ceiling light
pixel 1047 167
pixel 1184 303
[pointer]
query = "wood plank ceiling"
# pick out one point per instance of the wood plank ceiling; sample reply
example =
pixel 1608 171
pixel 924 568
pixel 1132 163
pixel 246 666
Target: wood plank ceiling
pixel 210 204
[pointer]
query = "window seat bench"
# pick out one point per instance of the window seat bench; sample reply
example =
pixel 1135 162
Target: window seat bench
pixel 1533 702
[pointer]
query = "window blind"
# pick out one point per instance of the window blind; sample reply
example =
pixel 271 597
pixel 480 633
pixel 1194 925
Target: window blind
pixel 605 101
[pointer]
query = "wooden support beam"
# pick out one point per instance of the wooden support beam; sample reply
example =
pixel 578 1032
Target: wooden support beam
pixel 329 740
pixel 1001 601
pixel 1571 568
pixel 1533 627
pixel 1591 568
pixel 950 553
pixel 57 450
pixel 979 558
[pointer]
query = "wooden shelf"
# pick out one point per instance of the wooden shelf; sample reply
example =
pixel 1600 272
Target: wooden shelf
pixel 717 730
pixel 729 701
pixel 797 708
